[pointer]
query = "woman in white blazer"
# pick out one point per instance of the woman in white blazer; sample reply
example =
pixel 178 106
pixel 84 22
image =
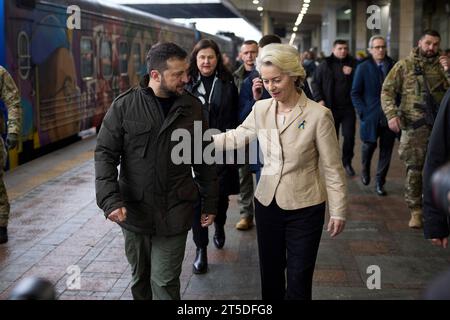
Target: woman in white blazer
pixel 294 133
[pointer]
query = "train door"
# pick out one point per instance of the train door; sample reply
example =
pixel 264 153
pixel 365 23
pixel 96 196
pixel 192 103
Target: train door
pixel 19 25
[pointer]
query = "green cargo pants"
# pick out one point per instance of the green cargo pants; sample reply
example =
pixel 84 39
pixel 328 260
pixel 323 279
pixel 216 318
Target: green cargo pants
pixel 4 203
pixel 155 264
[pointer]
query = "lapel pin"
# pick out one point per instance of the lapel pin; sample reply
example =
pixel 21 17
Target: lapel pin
pixel 302 124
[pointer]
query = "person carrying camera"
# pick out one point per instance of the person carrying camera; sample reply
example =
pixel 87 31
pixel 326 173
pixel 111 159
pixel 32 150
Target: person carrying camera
pixel 435 198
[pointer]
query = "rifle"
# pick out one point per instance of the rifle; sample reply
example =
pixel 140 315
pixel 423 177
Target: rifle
pixel 430 107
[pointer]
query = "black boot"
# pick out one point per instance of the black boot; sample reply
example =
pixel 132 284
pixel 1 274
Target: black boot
pixel 201 261
pixel 219 236
pixel 365 176
pixel 379 188
pixel 349 170
pixel 367 152
pixel 3 235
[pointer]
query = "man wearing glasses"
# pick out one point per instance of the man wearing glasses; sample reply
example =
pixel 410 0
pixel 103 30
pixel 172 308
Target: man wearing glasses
pixel 366 89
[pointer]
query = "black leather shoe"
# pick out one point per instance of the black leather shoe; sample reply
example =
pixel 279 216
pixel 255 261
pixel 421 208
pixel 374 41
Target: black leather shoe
pixel 3 235
pixel 201 261
pixel 380 190
pixel 365 178
pixel 219 237
pixel 349 170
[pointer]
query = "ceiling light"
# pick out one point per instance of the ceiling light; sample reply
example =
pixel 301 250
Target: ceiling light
pixel 260 8
pixel 255 1
pixel 348 11
pixel 295 29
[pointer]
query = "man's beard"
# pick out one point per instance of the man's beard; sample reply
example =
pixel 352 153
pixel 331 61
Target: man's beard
pixel 166 91
pixel 428 54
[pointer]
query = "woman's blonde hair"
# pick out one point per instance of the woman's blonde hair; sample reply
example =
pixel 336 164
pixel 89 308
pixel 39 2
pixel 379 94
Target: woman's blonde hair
pixel 284 57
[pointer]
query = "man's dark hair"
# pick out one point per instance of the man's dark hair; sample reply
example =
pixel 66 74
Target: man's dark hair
pixel 268 39
pixel 339 41
pixel 430 32
pixel 158 55
pixel 222 72
pixel 250 42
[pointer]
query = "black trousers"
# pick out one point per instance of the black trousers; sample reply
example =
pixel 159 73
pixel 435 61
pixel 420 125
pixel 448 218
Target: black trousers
pixel 288 239
pixel 387 140
pixel 346 118
pixel 200 234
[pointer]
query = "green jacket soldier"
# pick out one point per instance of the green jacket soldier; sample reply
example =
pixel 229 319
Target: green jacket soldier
pixel 421 80
pixel 9 94
pixel 248 53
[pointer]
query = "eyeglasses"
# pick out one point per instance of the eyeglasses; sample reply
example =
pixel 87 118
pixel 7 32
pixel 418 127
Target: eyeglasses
pixel 379 47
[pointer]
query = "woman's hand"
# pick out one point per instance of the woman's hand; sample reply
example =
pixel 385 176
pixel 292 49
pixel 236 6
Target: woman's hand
pixel 257 89
pixel 335 226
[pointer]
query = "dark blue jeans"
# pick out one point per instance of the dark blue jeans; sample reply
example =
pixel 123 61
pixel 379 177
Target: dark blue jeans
pixel 288 239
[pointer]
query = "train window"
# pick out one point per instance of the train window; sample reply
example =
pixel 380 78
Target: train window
pixel 137 56
pixel 28 4
pixel 23 51
pixel 87 58
pixel 106 58
pixel 123 57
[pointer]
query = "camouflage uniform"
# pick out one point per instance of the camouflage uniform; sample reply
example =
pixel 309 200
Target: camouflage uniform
pixel 9 94
pixel 402 80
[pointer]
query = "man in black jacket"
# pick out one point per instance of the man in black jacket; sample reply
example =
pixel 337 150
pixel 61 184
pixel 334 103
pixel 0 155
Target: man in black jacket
pixel 153 198
pixel 436 222
pixel 331 86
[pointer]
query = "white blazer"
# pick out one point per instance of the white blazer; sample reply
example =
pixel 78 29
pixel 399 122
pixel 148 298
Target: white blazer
pixel 291 153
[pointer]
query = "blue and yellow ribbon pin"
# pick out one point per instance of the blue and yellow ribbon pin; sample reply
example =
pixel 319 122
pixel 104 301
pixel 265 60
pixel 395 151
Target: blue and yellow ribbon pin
pixel 302 124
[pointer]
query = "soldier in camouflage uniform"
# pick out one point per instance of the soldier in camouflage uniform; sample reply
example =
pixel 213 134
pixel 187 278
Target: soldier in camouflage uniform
pixel 9 94
pixel 408 79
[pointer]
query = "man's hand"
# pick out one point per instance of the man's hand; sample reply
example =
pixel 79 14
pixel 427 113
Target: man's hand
pixel 440 242
pixel 257 89
pixel 322 102
pixel 11 140
pixel 335 226
pixel 118 215
pixel 207 219
pixel 445 63
pixel 394 124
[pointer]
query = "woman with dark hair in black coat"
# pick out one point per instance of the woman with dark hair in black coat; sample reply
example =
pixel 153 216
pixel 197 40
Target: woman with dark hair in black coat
pixel 213 85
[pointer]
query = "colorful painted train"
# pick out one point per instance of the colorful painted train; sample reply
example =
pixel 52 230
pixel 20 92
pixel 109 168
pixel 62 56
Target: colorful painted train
pixel 68 75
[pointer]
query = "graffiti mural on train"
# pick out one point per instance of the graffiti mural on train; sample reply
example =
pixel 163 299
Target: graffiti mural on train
pixel 68 77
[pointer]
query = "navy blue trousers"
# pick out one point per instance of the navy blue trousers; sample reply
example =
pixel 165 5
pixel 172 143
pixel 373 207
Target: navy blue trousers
pixel 288 242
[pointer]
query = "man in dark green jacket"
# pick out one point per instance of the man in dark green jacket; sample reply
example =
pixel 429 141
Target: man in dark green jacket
pixel 153 198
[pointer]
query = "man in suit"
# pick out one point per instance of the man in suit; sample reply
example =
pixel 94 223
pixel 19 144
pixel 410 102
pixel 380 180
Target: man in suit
pixel 153 199
pixel 366 90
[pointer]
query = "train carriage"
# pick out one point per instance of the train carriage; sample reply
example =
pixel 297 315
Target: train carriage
pixel 68 74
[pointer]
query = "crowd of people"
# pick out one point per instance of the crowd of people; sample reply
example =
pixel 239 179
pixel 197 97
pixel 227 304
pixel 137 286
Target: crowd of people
pixel 296 109
pixel 267 99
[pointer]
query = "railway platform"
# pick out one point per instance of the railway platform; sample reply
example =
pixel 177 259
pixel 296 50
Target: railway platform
pixel 56 230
